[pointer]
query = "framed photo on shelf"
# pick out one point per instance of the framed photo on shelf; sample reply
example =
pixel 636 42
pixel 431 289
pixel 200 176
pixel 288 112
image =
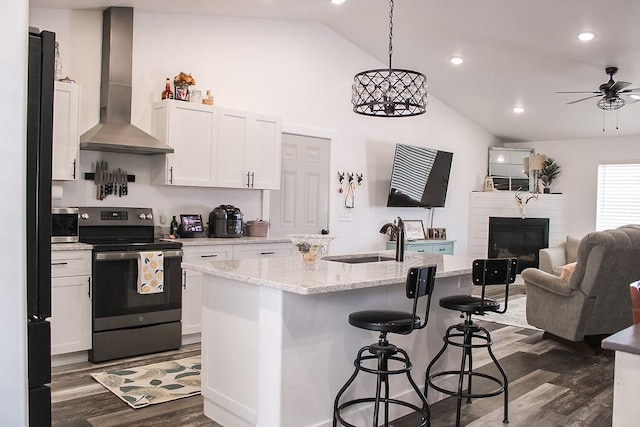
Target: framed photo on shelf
pixel 437 233
pixel 414 230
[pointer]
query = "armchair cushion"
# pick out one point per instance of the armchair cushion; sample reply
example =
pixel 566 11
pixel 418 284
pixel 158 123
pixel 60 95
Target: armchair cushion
pixel 571 249
pixel 552 260
pixel 567 271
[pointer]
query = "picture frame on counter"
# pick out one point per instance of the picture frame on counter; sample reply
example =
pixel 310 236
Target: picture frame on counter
pixel 437 233
pixel 414 230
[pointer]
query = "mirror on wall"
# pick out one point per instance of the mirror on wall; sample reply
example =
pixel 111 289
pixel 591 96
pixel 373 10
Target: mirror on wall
pixel 506 168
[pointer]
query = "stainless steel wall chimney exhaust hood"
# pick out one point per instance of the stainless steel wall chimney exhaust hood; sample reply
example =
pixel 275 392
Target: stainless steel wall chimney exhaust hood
pixel 115 133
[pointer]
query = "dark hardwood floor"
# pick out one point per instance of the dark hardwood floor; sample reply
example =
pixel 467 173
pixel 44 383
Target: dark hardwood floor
pixel 551 384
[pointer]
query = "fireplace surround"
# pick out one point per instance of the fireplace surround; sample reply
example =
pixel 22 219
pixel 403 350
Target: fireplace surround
pixel 521 238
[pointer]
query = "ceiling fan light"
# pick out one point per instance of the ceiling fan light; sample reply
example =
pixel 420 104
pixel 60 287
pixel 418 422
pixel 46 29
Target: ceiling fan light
pixel 586 36
pixel 611 104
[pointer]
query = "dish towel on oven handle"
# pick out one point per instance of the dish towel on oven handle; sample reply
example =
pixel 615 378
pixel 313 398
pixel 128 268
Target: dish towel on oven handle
pixel 151 272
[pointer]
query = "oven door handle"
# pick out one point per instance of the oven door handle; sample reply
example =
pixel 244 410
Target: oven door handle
pixel 118 256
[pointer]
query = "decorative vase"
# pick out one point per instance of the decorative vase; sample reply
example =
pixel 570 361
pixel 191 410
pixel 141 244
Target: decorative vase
pixel 182 92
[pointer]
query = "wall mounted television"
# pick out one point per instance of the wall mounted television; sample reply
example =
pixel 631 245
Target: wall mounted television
pixel 419 178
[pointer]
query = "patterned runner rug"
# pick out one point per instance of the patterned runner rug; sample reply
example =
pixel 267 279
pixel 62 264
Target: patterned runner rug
pixel 152 384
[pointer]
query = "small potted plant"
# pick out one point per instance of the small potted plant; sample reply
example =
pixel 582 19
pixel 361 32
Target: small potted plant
pixel 182 82
pixel 548 174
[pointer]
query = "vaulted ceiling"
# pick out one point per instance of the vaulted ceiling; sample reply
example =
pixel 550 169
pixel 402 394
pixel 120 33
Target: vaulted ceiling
pixel 516 53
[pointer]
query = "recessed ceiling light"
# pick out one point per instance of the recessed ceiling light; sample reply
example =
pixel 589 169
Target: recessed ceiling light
pixel 586 36
pixel 518 110
pixel 337 1
pixel 457 60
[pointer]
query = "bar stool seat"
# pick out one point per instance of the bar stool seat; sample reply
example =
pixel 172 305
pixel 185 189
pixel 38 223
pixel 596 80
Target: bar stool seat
pixel 398 322
pixel 419 283
pixel 470 336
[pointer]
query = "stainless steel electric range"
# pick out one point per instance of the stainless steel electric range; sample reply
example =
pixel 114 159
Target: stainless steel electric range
pixel 126 322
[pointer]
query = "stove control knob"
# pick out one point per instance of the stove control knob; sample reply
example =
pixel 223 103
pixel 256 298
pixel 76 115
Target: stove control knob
pixel 142 216
pixel 149 216
pixel 84 215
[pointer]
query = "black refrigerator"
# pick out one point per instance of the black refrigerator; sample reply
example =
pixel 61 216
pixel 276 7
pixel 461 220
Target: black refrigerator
pixel 38 232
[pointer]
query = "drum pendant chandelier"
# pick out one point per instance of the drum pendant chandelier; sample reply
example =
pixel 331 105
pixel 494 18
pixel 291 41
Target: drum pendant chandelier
pixel 389 92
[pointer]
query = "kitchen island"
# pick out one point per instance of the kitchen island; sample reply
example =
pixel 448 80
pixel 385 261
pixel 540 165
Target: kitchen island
pixel 277 344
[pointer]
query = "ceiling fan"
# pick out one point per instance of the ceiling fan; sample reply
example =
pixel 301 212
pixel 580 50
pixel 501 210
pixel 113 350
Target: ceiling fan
pixel 613 95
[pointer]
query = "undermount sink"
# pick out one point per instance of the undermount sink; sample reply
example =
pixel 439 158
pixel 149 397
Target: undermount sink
pixel 360 260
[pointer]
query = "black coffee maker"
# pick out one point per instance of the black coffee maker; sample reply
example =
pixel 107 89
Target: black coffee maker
pixel 225 221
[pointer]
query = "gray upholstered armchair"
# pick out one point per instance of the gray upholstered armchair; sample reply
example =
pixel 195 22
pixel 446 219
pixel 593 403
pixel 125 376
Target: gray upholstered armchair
pixel 596 298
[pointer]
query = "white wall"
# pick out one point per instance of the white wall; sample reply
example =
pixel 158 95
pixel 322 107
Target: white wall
pixel 300 71
pixel 579 160
pixel 13 62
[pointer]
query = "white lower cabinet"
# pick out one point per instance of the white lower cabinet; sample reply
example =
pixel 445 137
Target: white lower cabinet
pixel 192 283
pixel 192 280
pixel 70 301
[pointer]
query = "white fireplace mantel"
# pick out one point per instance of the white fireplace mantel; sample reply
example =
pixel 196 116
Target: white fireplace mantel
pixel 483 205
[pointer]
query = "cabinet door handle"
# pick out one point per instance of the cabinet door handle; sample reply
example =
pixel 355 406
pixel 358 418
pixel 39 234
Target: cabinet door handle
pixel 59 263
pixel 184 280
pixel 171 175
pixel 74 169
pixel 89 283
pixel 442 249
pixel 267 253
pixel 420 250
pixel 209 256
pixel 248 179
pixel 252 179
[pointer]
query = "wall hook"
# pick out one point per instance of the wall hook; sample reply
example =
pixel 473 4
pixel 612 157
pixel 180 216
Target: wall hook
pixel 350 177
pixel 359 178
pixel 340 177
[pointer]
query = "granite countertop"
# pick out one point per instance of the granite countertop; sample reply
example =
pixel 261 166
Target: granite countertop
pixel 204 241
pixel 627 340
pixel 71 247
pixel 289 275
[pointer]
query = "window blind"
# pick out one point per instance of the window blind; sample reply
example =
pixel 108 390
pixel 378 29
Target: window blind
pixel 618 195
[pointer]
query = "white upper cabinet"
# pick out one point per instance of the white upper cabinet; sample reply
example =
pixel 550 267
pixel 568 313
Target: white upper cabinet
pixel 66 137
pixel 250 145
pixel 216 147
pixel 191 129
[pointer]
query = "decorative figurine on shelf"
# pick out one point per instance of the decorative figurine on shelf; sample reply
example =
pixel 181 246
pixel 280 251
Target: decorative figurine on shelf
pixel 182 82
pixel 523 203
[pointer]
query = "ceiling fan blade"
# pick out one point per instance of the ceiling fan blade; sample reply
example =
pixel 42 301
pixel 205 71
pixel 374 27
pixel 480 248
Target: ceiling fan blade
pixel 635 89
pixel 584 99
pixel 619 85
pixel 598 92
pixel 630 99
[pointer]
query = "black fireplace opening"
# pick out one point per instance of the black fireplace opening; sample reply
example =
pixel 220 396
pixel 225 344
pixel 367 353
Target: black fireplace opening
pixel 521 238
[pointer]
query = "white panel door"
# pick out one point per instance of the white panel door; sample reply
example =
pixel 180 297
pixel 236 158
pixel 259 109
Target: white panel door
pixel 302 204
pixel 66 139
pixel 192 135
pixel 233 129
pixel 70 314
pixel 262 154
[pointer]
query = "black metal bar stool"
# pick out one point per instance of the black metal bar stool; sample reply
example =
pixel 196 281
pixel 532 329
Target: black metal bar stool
pixel 470 336
pixel 419 283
